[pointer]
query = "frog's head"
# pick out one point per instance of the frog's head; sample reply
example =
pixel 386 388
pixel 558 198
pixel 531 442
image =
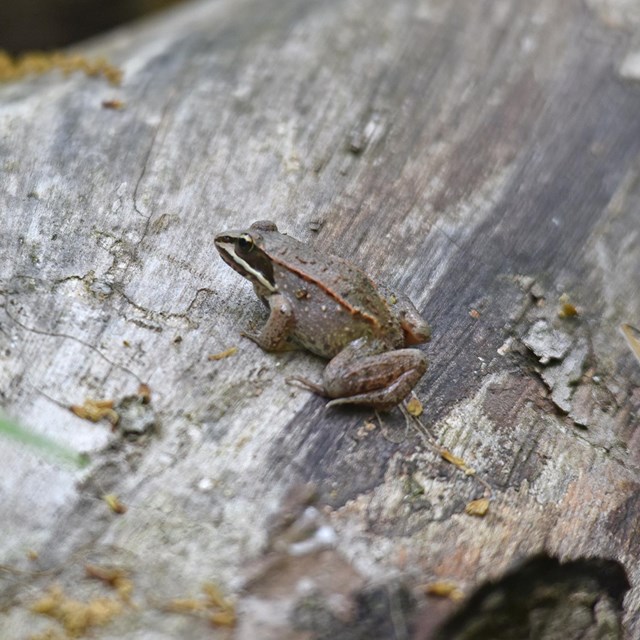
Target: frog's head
pixel 245 252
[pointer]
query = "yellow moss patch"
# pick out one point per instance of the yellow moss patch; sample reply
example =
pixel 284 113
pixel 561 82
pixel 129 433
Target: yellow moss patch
pixel 114 503
pixel 114 577
pixel 214 606
pixel 458 462
pixel 39 62
pixel 443 589
pixel 95 410
pixel 223 354
pixel 49 634
pixel 478 508
pixel 414 407
pixel 75 616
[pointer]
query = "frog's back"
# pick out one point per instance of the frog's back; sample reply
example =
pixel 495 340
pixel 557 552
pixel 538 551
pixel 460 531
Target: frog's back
pixel 333 301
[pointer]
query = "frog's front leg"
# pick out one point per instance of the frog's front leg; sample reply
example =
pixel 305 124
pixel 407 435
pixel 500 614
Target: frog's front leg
pixel 275 334
pixel 365 374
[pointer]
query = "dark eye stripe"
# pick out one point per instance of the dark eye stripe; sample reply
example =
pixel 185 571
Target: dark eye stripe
pixel 260 263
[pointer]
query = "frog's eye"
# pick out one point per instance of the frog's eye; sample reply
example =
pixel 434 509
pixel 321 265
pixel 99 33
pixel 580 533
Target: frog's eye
pixel 245 242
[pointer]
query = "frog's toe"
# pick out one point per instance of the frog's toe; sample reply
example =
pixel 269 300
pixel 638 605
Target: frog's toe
pixel 307 384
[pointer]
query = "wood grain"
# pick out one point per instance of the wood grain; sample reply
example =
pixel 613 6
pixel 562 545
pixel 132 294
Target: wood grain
pixel 482 156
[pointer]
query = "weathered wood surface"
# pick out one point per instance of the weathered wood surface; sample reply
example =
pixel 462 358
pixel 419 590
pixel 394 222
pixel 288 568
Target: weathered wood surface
pixel 484 156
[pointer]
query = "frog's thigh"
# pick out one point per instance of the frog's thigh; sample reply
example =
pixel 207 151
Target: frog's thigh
pixel 382 399
pixel 390 372
pixel 276 331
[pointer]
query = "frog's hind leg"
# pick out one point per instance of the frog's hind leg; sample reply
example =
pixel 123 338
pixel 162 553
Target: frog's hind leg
pixel 381 380
pixel 385 398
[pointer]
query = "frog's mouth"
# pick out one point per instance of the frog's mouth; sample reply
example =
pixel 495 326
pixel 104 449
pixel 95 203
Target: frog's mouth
pixel 246 258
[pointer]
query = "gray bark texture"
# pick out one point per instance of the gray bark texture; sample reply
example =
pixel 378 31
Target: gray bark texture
pixel 481 155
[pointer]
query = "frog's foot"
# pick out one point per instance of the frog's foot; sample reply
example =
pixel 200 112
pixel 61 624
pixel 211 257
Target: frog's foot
pixel 305 383
pixel 269 345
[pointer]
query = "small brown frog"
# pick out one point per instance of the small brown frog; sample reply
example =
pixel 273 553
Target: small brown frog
pixel 322 303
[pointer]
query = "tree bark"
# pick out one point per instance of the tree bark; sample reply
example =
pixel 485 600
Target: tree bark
pixel 482 156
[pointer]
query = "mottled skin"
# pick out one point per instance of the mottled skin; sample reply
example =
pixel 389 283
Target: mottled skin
pixel 328 306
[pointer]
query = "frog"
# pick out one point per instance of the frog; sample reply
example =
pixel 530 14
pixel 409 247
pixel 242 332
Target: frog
pixel 326 305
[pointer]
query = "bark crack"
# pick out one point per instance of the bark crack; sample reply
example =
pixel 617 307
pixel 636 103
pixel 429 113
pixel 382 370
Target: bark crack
pixel 66 336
